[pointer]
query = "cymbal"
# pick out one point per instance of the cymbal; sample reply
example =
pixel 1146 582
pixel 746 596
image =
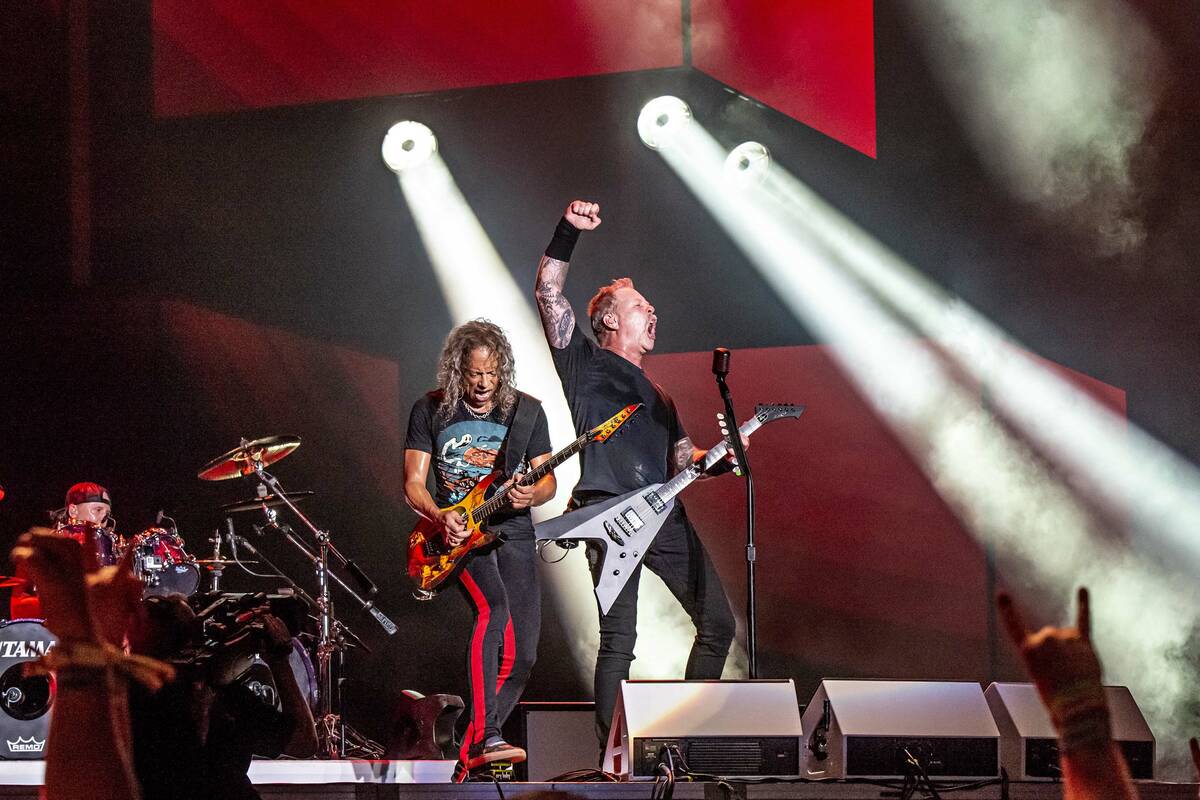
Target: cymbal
pixel 12 583
pixel 270 501
pixel 240 460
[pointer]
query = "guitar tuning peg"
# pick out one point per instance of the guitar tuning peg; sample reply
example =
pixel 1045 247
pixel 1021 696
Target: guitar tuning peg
pixel 720 415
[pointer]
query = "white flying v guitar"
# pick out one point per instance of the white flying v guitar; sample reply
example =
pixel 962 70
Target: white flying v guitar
pixel 628 523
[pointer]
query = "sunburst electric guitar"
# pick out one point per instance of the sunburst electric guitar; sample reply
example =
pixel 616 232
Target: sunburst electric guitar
pixel 628 523
pixel 431 562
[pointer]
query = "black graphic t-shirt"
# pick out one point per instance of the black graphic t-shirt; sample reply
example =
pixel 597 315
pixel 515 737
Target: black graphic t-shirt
pixel 598 384
pixel 465 450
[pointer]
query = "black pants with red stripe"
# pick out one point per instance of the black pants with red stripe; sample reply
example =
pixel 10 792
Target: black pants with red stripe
pixel 501 586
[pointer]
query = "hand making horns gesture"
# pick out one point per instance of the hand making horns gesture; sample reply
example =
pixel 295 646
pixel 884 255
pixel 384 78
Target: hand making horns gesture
pixel 1061 661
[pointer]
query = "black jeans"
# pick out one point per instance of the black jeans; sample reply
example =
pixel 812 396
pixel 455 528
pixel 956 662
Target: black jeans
pixel 678 557
pixel 501 585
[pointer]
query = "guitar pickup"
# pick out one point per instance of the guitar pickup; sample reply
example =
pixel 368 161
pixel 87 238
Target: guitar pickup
pixel 612 534
pixel 629 521
pixel 655 502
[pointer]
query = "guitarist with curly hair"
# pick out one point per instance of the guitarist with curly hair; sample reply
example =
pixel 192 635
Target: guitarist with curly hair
pixel 472 425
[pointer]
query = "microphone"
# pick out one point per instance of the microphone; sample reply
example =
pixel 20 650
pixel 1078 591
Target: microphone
pixel 246 544
pixel 158 518
pixel 229 528
pixel 720 364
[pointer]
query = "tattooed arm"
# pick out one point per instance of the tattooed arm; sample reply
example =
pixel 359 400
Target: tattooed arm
pixel 558 319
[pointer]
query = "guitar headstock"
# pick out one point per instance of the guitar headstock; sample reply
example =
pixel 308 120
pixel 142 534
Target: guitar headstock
pixel 771 412
pixel 601 432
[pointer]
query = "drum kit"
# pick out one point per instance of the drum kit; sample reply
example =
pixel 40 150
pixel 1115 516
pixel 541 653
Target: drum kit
pixel 161 560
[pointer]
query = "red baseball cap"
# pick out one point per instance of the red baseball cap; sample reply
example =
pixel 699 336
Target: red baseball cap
pixel 87 493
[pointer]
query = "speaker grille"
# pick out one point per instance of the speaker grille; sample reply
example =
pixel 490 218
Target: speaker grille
pixel 963 756
pixel 725 755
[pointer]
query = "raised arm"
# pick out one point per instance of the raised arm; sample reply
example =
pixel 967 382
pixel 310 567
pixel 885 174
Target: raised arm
pixel 558 319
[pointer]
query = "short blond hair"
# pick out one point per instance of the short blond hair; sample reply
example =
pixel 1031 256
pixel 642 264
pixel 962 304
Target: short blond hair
pixel 604 302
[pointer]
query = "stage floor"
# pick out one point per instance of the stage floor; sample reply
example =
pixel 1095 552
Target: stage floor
pixel 429 780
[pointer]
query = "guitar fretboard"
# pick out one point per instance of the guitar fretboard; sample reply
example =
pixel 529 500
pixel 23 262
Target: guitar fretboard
pixel 493 504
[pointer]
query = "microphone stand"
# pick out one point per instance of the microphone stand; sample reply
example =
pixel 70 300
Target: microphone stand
pixel 720 370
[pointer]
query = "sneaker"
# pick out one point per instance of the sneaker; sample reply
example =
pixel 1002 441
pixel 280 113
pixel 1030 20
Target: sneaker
pixel 479 755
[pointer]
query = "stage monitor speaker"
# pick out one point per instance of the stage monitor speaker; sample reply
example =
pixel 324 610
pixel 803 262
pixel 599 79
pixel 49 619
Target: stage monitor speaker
pixel 726 728
pixel 1029 743
pixel 558 738
pixel 868 729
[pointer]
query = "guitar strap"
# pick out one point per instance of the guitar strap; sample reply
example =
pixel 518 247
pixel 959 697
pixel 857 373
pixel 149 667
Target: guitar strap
pixel 520 432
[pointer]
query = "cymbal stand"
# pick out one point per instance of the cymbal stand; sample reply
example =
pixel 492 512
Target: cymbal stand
pixel 215 571
pixel 333 733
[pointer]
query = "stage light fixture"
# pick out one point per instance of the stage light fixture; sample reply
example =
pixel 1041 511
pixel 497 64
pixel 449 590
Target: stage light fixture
pixel 662 119
pixel 747 163
pixel 408 144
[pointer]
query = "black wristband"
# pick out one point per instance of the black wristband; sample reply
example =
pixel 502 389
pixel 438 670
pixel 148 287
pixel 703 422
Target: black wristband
pixel 563 243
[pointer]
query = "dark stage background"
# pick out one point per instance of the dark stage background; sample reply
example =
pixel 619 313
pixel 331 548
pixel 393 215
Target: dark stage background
pixel 254 270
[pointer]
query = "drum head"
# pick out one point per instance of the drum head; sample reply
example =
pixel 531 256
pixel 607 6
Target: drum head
pixel 181 579
pixel 24 702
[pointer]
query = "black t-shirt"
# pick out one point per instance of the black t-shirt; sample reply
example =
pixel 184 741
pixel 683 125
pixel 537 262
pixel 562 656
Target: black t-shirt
pixel 599 383
pixel 465 450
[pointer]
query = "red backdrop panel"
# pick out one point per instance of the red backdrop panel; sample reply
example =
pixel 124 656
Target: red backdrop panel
pixel 226 55
pixel 811 59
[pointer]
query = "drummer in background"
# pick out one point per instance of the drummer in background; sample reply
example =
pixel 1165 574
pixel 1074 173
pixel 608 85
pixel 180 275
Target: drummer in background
pixel 87 502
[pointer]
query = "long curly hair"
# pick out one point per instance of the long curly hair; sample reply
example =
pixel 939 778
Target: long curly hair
pixel 456 355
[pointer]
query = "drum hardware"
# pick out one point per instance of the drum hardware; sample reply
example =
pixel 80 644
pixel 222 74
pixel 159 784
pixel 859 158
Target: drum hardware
pixel 251 458
pixel 344 635
pixel 263 501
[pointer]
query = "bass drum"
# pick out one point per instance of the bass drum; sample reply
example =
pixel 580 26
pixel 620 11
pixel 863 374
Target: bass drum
pixel 24 701
pixel 163 565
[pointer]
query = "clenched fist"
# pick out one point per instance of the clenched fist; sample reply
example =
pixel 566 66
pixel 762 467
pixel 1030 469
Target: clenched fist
pixel 583 215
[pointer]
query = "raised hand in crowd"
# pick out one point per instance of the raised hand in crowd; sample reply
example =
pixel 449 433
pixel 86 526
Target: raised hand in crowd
pixel 1066 670
pixel 89 749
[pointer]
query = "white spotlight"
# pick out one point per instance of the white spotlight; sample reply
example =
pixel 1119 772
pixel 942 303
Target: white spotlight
pixel 747 163
pixel 661 119
pixel 407 144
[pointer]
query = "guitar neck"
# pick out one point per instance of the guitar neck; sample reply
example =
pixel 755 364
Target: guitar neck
pixel 715 453
pixel 481 513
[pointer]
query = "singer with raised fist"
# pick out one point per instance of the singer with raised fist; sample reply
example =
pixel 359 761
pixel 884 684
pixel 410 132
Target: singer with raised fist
pixel 598 376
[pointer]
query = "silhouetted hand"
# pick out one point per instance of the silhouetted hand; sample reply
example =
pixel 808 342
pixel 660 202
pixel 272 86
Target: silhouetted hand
pixel 55 564
pixel 1060 660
